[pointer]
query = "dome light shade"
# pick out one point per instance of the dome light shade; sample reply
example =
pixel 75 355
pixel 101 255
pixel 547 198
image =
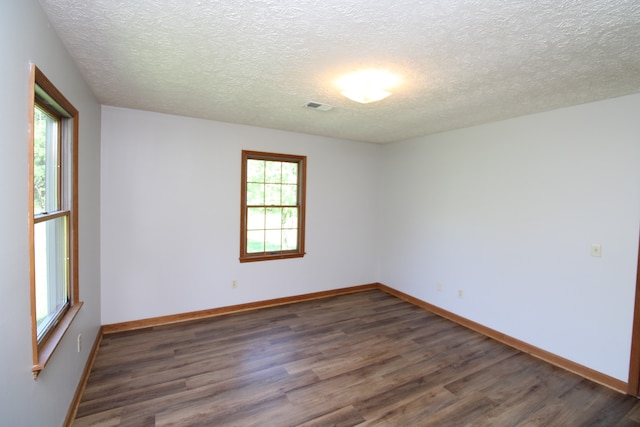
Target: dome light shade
pixel 367 86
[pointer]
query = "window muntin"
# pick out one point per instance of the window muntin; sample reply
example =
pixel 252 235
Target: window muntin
pixel 53 217
pixel 273 193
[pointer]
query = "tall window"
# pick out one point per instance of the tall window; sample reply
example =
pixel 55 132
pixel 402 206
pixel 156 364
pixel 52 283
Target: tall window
pixel 53 218
pixel 273 199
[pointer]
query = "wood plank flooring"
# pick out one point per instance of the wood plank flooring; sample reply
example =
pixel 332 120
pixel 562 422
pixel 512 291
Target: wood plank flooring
pixel 362 359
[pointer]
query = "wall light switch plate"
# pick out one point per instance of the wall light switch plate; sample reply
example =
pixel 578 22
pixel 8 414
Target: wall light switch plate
pixel 596 249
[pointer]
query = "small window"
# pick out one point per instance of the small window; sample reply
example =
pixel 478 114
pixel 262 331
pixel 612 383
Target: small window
pixel 53 217
pixel 273 206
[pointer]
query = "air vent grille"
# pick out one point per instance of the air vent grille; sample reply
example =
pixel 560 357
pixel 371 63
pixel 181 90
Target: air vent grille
pixel 318 106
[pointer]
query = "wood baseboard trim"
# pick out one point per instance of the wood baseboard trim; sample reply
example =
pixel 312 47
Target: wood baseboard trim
pixel 202 314
pixel 583 371
pixel 561 362
pixel 75 403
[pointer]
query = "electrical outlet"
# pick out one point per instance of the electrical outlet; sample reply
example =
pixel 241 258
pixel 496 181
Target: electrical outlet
pixel 234 283
pixel 79 343
pixel 460 293
pixel 439 286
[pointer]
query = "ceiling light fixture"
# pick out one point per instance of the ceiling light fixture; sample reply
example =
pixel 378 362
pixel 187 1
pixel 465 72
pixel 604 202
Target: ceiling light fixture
pixel 367 86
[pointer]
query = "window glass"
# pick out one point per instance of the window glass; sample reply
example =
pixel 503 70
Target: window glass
pixel 46 181
pixel 273 171
pixel 255 171
pixel 52 272
pixel 289 239
pixel 273 194
pixel 255 241
pixel 289 195
pixel 255 194
pixel 289 173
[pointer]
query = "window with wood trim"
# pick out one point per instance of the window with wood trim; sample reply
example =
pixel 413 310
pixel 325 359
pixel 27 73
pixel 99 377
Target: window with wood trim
pixel 272 206
pixel 53 219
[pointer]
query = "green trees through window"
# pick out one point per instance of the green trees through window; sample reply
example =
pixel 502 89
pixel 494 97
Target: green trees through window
pixel 45 162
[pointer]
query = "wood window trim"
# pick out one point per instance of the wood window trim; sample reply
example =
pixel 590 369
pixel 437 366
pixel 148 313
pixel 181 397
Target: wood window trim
pixel 302 174
pixel 634 362
pixel 42 351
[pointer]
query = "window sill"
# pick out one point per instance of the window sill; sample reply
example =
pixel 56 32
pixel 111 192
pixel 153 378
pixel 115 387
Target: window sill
pixel 268 257
pixel 45 351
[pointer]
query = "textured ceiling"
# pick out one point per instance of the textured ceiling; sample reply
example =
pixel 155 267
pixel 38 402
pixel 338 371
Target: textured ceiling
pixel 257 62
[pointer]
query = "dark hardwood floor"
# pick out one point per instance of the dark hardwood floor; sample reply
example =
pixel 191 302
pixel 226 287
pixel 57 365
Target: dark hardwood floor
pixel 362 359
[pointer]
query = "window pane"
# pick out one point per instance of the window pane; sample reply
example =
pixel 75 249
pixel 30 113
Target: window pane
pixel 273 171
pixel 289 195
pixel 273 196
pixel 274 219
pixel 255 194
pixel 255 241
pixel 255 170
pixel 273 240
pixel 290 218
pixel 289 173
pixel 289 240
pixel 46 183
pixel 52 276
pixel 255 218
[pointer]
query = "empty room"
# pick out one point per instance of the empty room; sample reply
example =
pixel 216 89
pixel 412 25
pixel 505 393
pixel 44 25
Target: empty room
pixel 280 212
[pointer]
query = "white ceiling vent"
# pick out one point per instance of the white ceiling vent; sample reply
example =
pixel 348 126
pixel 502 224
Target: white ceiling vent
pixel 318 106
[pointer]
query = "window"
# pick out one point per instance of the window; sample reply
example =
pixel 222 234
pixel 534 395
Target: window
pixel 53 217
pixel 273 202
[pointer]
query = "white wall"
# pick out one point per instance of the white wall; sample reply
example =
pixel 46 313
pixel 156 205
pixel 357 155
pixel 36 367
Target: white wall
pixel 171 206
pixel 25 36
pixel 508 211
